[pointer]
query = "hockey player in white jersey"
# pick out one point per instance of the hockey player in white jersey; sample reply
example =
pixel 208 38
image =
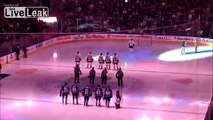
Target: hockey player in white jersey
pixel 115 61
pixel 101 61
pixel 78 58
pixel 89 60
pixel 131 45
pixel 108 61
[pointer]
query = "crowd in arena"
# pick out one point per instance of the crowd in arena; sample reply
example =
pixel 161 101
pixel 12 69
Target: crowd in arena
pixel 144 15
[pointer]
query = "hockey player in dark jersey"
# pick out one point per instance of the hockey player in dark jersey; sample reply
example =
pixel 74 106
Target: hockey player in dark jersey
pixel 101 61
pixel 77 73
pixel 115 61
pixel 64 92
pixel 98 95
pixel 108 61
pixel 75 93
pixel 104 76
pixel 107 95
pixel 86 93
pixel 89 60
pixel 77 58
pixel 91 76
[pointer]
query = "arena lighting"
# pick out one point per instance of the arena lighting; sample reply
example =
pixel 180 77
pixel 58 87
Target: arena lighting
pixel 126 1
pixel 55 55
pixel 125 64
pixel 166 100
pixel 175 55
pixel 155 100
pixel 48 19
pixel 29 102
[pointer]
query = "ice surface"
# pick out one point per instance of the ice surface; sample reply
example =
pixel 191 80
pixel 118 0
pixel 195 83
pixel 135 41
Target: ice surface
pixel 153 89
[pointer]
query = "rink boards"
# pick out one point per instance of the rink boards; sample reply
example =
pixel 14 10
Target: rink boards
pixel 84 37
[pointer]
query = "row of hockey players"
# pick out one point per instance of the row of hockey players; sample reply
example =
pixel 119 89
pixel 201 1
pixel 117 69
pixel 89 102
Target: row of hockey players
pixel 87 93
pixel 101 60
pixel 92 74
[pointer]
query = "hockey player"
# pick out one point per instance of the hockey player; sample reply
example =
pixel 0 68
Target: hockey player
pixel 92 74
pixel 98 95
pixel 183 47
pixel 101 61
pixel 108 95
pixel 78 58
pixel 89 60
pixel 86 93
pixel 196 45
pixel 119 76
pixel 64 91
pixel 77 73
pixel 115 61
pixel 108 61
pixel 104 76
pixel 75 93
pixel 131 45
pixel 118 100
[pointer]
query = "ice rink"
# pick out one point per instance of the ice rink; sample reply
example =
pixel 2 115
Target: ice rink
pixel 159 83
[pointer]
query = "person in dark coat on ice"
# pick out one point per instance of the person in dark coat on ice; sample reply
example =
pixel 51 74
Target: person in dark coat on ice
pixel 77 73
pixel 91 76
pixel 104 77
pixel 119 76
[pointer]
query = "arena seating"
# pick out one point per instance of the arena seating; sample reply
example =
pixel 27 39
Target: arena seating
pixel 172 17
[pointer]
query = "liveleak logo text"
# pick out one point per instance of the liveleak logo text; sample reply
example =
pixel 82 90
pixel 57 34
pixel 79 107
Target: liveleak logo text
pixel 26 12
